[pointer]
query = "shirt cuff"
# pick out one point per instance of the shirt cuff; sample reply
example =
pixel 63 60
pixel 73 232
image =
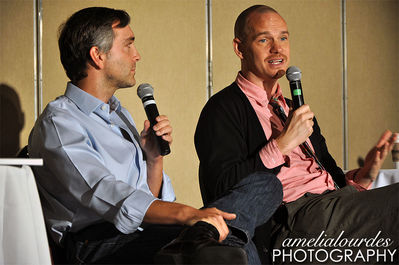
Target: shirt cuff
pixel 271 156
pixel 350 176
pixel 133 210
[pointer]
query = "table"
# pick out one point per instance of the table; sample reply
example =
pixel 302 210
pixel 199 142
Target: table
pixel 23 237
pixel 386 177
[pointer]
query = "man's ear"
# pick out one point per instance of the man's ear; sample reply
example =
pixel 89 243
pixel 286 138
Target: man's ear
pixel 97 57
pixel 238 47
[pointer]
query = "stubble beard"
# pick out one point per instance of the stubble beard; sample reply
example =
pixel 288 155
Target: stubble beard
pixel 126 84
pixel 121 83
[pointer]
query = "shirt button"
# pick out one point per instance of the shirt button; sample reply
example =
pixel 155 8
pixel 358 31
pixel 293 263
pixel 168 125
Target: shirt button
pixel 103 107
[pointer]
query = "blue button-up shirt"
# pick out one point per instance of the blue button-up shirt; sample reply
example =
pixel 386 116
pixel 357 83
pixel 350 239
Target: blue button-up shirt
pixel 91 173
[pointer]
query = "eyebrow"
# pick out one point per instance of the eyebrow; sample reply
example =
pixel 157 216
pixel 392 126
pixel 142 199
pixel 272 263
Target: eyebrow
pixel 130 39
pixel 268 33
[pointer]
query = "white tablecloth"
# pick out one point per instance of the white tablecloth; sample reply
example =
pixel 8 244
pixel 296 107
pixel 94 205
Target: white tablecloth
pixel 23 237
pixel 386 177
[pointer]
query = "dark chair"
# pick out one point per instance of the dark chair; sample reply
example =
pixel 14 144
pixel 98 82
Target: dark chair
pixel 23 153
pixel 208 255
pixel 262 242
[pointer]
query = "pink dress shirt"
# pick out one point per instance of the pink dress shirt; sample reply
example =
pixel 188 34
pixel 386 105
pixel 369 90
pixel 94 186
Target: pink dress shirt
pixel 299 174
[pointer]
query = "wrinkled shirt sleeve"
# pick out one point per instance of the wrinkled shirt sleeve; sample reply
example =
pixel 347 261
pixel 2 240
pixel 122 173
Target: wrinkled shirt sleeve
pixel 271 156
pixel 350 180
pixel 68 153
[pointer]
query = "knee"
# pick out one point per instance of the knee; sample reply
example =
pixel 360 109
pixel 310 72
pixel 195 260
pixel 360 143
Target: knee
pixel 266 184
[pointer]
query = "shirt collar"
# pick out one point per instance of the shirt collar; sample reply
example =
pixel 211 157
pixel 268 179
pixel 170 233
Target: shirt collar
pixel 278 96
pixel 88 103
pixel 255 92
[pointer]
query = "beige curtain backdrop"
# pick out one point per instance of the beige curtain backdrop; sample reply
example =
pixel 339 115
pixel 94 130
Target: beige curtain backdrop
pixel 171 38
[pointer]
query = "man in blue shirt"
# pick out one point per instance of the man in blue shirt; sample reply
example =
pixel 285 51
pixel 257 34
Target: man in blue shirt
pixel 102 184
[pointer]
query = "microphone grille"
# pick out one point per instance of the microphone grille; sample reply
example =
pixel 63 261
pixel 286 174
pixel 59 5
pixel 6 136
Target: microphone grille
pixel 293 73
pixel 145 90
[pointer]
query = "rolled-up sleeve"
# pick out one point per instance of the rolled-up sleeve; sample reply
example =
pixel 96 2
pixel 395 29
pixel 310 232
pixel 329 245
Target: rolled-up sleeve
pixel 81 180
pixel 132 212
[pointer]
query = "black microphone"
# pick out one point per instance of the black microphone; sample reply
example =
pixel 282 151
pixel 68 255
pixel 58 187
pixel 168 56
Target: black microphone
pixel 146 94
pixel 294 77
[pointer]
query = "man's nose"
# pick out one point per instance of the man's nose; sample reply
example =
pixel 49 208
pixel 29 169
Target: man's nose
pixel 136 55
pixel 275 47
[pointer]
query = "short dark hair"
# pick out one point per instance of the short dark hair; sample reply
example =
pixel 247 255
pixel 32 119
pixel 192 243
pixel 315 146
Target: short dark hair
pixel 85 29
pixel 241 28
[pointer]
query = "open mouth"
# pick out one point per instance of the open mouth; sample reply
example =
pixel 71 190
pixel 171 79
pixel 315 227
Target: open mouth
pixel 275 61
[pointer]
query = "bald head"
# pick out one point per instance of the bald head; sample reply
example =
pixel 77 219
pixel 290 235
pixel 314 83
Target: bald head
pixel 242 27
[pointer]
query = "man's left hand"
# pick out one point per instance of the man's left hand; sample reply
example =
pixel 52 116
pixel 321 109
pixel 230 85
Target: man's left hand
pixel 148 139
pixel 375 158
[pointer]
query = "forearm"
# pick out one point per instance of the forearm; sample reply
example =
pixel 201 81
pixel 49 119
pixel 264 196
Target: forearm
pixel 161 212
pixel 155 176
pixel 363 179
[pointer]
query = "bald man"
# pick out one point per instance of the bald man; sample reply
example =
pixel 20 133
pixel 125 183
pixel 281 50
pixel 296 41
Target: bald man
pixel 244 129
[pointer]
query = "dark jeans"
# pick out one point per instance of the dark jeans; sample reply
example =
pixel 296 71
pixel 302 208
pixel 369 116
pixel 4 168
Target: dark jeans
pixel 104 244
pixel 253 200
pixel 340 215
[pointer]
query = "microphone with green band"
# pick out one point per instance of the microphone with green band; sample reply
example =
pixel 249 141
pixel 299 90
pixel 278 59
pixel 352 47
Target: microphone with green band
pixel 294 77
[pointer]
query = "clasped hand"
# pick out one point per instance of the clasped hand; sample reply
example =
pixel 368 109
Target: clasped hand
pixel 298 128
pixel 148 139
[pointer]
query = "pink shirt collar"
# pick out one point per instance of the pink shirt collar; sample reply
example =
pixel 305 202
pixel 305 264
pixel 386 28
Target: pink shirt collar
pixel 257 93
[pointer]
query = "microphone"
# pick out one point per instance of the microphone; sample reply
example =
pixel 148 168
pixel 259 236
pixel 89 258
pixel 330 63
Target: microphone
pixel 146 94
pixel 294 77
